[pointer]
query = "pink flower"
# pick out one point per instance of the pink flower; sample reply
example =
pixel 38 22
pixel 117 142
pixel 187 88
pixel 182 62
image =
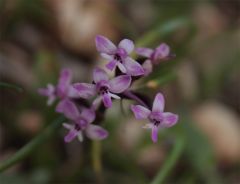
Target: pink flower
pixel 119 55
pixel 81 123
pixel 105 88
pixel 62 90
pixel 157 117
pixel 161 53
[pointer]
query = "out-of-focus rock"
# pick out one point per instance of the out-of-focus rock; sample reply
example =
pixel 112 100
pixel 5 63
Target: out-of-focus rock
pixel 79 22
pixel 30 122
pixel 130 134
pixel 187 79
pixel 136 9
pixel 14 66
pixel 208 19
pixel 222 127
pixel 151 158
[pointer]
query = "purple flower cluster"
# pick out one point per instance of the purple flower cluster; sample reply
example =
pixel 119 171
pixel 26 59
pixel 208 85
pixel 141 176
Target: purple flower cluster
pixel 104 89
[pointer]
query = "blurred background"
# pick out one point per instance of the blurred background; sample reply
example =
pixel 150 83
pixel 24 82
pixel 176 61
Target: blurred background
pixel 202 85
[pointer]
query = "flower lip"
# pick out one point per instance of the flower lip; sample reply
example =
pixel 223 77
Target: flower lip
pixel 77 127
pixel 102 87
pixel 156 118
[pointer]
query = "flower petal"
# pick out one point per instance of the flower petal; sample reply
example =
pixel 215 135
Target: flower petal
pixel 64 81
pixel 51 99
pixel 154 134
pixel 80 136
pixel 111 65
pixel 96 103
pixel 72 92
pixel 115 96
pixel 106 56
pixel 107 101
pixel 85 90
pixel 68 126
pixel 133 67
pixel 148 126
pixel 127 45
pixel 69 109
pixel 96 132
pixel 99 75
pixel 169 119
pixel 121 67
pixel 140 112
pixel 158 104
pixel 47 91
pixel 162 51
pixel 144 52
pixel 148 67
pixel 120 83
pixel 71 135
pixel 104 45
pixel 88 115
pixel 60 106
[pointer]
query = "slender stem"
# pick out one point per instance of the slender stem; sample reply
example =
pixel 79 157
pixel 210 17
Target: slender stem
pixel 96 160
pixel 13 86
pixel 170 162
pixel 132 96
pixel 30 147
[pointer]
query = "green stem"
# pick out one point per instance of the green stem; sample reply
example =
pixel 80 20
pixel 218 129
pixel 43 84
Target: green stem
pixel 13 86
pixel 30 147
pixel 162 30
pixel 170 162
pixel 96 160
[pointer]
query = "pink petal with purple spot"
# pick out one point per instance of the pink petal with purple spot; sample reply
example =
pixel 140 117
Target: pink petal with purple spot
pixel 72 92
pixel 127 45
pixel 71 135
pixel 64 80
pixel 96 132
pixel 140 112
pixel 69 109
pixel 85 90
pixel 111 65
pixel 133 67
pixel 158 104
pixel 162 51
pixel 169 119
pixel 146 52
pixel 148 67
pixel 120 83
pixel 104 45
pixel 60 106
pixel 88 115
pixel 154 134
pixel 99 75
pixel 107 101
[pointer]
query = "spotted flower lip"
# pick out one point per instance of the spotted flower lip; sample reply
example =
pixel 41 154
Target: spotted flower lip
pixel 119 55
pixel 62 90
pixel 157 117
pixel 103 87
pixel 81 123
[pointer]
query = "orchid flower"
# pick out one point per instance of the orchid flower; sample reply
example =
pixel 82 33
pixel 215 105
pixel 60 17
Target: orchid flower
pixel 162 52
pixel 105 88
pixel 119 55
pixel 81 123
pixel 157 117
pixel 62 90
